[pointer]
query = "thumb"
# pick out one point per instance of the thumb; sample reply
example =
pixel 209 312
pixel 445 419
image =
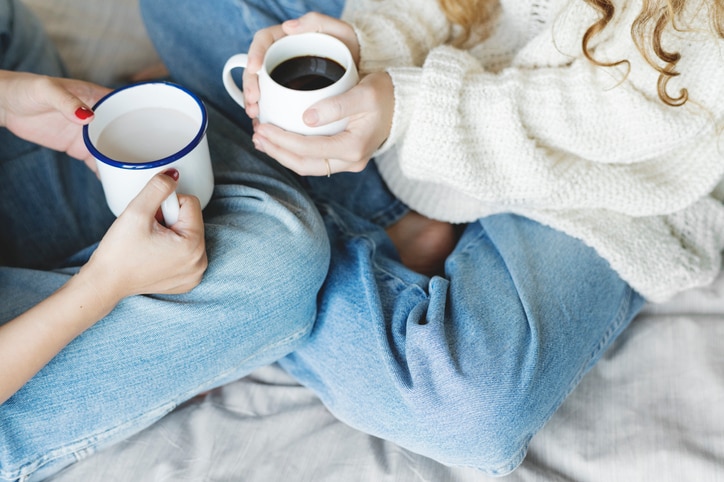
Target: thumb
pixel 333 108
pixel 159 187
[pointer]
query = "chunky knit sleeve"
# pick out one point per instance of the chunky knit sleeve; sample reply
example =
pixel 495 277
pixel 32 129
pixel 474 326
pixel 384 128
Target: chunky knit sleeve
pixel 552 130
pixel 547 138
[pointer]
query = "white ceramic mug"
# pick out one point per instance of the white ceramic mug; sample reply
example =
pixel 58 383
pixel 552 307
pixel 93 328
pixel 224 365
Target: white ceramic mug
pixel 284 106
pixel 145 128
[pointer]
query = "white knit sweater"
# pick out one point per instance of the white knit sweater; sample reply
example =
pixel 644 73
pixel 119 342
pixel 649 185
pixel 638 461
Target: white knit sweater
pixel 523 123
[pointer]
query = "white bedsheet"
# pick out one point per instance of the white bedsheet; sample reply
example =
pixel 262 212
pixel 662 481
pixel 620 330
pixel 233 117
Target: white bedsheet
pixel 651 410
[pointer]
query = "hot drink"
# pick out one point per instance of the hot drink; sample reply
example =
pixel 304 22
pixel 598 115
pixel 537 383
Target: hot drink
pixel 141 129
pixel 146 135
pixel 308 72
pixel 297 72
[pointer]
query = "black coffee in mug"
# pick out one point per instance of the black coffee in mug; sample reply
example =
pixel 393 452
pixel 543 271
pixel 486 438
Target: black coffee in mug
pixel 308 72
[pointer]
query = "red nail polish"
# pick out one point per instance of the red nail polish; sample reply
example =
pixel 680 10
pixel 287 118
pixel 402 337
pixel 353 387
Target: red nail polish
pixel 83 113
pixel 172 173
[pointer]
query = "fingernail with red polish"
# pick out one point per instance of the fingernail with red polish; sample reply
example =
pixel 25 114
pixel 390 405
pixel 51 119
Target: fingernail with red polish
pixel 172 173
pixel 83 113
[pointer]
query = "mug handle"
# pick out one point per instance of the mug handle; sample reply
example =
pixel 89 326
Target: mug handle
pixel 235 61
pixel 170 209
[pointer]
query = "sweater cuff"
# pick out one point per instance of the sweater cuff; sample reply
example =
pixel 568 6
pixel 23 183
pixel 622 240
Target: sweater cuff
pixel 406 82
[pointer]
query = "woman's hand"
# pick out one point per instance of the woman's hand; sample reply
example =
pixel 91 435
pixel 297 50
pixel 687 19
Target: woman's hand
pixel 49 111
pixel 369 106
pixel 139 255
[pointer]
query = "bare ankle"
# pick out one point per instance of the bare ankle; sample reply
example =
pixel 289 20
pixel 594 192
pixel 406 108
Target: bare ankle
pixel 423 243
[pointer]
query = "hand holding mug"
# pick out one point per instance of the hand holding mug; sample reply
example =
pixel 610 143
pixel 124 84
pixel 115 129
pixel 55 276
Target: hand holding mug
pixel 311 22
pixel 369 107
pixel 285 75
pixel 146 128
pixel 138 256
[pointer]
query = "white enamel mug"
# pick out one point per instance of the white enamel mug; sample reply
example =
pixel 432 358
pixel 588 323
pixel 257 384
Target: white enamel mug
pixel 146 128
pixel 283 106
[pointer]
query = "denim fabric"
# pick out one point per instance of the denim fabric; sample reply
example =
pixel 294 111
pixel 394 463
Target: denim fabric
pixel 464 368
pixel 224 28
pixel 268 256
pixel 74 222
pixel 195 38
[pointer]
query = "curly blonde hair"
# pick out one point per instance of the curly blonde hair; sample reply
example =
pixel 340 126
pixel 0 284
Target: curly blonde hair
pixel 656 16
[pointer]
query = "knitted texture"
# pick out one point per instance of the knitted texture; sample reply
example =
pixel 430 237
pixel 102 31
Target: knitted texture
pixel 522 122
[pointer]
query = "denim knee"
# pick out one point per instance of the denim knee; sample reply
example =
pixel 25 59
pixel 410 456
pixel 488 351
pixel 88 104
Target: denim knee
pixel 482 409
pixel 468 421
pixel 266 269
pixel 478 435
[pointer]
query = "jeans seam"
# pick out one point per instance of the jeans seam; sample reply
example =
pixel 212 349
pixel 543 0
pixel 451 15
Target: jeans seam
pixel 389 216
pixel 618 320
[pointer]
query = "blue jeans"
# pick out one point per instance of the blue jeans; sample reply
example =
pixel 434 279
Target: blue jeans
pixel 182 31
pixel 268 255
pixel 463 368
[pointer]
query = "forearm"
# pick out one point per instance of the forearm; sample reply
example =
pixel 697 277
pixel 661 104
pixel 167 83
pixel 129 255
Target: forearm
pixel 30 341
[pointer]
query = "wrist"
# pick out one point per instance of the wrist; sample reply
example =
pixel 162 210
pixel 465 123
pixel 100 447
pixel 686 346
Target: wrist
pixel 96 289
